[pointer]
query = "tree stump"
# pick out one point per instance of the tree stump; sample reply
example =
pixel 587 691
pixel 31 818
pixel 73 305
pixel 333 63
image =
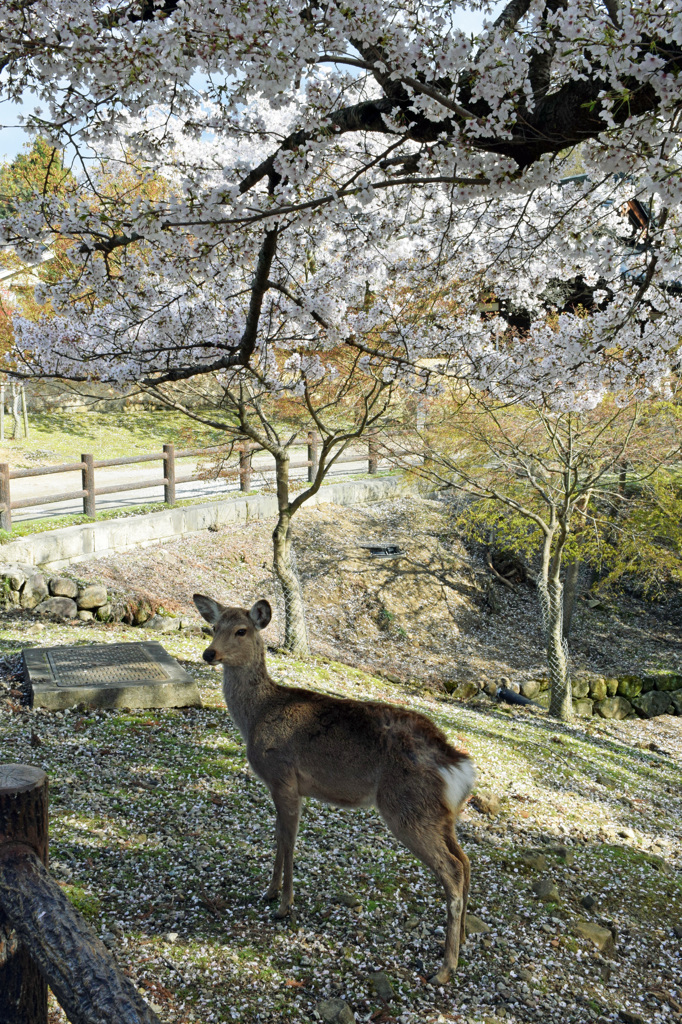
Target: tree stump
pixel 23 820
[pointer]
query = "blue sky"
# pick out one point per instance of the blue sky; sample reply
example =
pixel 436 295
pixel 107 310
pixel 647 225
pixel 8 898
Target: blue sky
pixel 13 137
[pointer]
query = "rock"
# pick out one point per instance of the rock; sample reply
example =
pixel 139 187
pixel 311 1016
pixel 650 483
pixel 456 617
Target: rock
pixel 171 937
pixel 347 899
pixel 335 1011
pixel 62 586
pixel 653 704
pixel 530 688
pixel 611 687
pixel 580 686
pixel 630 1018
pixel 86 616
pixel 162 624
pixel 534 861
pixel 677 929
pixel 588 902
pixel 614 707
pixel 525 974
pixel 568 856
pixel 665 681
pixel 34 591
pixel 475 926
pixel 63 607
pixel 546 889
pixel 602 938
pixel 382 986
pixel 465 691
pixel 676 701
pixel 486 803
pixel 142 613
pixel 629 686
pixel 91 597
pixel 15 575
pixel 584 707
pixel 103 613
pixel 598 688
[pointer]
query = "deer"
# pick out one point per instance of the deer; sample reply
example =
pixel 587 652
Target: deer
pixel 344 752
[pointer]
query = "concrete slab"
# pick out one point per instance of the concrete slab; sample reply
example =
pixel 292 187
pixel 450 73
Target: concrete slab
pixel 138 675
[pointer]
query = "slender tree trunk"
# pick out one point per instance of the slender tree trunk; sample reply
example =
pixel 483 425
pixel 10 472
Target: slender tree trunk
pixel 550 593
pixel 570 594
pixel 295 633
pixel 16 399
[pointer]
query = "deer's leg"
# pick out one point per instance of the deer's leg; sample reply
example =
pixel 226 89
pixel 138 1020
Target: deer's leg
pixel 459 853
pixel 428 832
pixel 288 807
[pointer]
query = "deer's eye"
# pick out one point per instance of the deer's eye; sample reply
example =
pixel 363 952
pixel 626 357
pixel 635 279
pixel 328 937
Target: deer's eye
pixel 240 632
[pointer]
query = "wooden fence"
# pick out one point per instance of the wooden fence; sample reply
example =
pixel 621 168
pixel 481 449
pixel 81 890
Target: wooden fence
pixel 243 470
pixel 43 939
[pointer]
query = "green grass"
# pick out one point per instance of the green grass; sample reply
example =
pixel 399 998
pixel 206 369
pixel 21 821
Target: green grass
pixel 64 436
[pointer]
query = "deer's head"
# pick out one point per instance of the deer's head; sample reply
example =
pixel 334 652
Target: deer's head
pixel 236 631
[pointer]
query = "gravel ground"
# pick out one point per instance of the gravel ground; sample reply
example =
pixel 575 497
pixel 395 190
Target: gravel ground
pixel 163 838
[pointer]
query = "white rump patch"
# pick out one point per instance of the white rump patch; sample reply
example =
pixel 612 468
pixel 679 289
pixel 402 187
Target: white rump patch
pixel 459 781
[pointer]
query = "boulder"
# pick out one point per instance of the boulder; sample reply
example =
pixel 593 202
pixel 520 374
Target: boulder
pixel 475 926
pixel 465 691
pixel 614 707
pixel 15 575
pixel 144 612
pixel 91 597
pixel 598 688
pixel 335 1011
pixel 546 889
pixel 580 686
pixel 162 624
pixel 34 591
pixel 611 687
pixel 486 803
pixel 530 688
pixel 666 681
pixel 676 701
pixel 86 616
pixel 653 704
pixel 629 686
pixel 382 986
pixel 63 607
pixel 62 586
pixel 103 613
pixel 583 708
pixel 602 938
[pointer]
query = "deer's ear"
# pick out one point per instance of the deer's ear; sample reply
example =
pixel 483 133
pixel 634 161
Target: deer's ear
pixel 208 608
pixel 260 614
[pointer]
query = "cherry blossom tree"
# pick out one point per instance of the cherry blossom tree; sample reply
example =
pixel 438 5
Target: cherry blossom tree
pixel 317 151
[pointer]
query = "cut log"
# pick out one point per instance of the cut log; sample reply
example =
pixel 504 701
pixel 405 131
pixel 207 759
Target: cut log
pixel 24 820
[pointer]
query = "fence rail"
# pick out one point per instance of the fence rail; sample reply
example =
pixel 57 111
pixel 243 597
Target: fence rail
pixel 243 471
pixel 43 939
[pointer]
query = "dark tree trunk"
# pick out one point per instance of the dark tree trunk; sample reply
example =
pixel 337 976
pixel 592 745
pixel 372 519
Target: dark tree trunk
pixel 23 819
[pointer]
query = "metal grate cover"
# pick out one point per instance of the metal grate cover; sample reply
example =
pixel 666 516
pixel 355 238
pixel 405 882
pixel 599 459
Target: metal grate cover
pixel 99 666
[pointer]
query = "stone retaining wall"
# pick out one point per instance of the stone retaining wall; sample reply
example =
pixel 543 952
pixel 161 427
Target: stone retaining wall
pixel 622 696
pixel 56 549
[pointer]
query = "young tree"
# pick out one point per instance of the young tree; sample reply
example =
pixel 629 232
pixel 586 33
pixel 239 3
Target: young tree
pixel 542 475
pixel 274 408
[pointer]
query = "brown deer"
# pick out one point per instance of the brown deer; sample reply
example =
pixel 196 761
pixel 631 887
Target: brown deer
pixel 350 753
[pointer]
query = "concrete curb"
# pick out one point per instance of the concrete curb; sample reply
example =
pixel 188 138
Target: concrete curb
pixel 58 548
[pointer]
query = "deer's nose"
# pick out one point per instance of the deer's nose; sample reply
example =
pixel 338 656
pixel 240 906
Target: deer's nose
pixel 209 655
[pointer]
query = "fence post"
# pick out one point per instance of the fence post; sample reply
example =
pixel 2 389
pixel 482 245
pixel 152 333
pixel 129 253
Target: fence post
pixel 313 456
pixel 373 454
pixel 244 468
pixel 88 475
pixel 23 819
pixel 169 473
pixel 6 512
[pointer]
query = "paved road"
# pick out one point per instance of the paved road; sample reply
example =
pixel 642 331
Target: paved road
pixel 61 483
